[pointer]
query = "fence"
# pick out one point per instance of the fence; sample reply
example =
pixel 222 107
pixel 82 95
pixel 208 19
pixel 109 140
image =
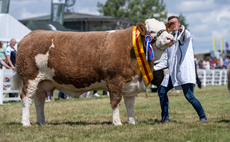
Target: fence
pixel 7 73
pixel 213 77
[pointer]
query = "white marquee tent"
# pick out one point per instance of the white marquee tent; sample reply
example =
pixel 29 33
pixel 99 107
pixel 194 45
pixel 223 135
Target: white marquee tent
pixel 11 28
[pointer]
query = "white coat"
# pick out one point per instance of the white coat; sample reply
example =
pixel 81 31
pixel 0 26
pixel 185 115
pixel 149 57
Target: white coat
pixel 180 63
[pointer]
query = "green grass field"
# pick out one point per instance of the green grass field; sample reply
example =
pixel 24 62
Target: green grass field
pixel 91 120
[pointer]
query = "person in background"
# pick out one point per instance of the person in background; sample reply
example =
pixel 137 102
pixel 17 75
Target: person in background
pixel 2 52
pixel 179 59
pixel 62 96
pixel 200 63
pixel 4 79
pixel 226 62
pixel 10 53
pixel 95 93
pixel 206 64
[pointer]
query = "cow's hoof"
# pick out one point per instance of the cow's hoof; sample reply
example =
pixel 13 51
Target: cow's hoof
pixel 117 124
pixel 26 124
pixel 132 120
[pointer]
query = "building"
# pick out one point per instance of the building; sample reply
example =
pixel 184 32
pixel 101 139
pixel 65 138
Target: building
pixel 85 22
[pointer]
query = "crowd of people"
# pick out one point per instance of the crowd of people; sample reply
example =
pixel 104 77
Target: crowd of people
pixel 212 63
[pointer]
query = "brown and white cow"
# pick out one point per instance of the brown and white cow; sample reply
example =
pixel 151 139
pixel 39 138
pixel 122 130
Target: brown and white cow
pixel 76 62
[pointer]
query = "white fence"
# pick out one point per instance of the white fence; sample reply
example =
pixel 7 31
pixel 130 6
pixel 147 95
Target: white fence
pixel 7 73
pixel 213 77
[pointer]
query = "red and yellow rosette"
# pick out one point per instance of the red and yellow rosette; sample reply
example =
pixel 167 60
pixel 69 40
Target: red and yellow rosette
pixel 140 55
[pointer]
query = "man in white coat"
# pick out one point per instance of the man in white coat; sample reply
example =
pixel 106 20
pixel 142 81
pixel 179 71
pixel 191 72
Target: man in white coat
pixel 179 59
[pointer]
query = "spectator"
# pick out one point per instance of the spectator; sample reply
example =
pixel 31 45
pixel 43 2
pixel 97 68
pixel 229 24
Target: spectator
pixel 95 94
pixel 87 94
pixel 11 54
pixel 62 96
pixel 226 62
pixel 206 64
pixel 200 64
pixel 2 52
pixel 180 74
pixel 4 79
pixel 218 64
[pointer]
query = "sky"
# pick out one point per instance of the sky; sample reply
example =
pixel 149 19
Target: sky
pixel 207 19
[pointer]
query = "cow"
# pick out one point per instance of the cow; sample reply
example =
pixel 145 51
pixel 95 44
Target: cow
pixel 77 62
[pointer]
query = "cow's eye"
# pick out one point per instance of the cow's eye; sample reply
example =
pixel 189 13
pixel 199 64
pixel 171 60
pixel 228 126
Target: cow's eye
pixel 153 32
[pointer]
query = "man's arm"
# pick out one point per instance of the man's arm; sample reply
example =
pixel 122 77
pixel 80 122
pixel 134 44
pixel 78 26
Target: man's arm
pixel 163 64
pixel 9 61
pixel 4 64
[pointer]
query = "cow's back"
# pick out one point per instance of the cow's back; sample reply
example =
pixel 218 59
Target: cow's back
pixel 77 58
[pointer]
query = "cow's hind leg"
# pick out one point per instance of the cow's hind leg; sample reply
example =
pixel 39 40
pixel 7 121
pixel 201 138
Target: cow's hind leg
pixel 26 103
pixel 115 88
pixel 129 103
pixel 39 101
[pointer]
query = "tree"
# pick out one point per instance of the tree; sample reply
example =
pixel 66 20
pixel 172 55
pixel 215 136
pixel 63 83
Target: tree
pixel 183 21
pixel 134 10
pixel 113 8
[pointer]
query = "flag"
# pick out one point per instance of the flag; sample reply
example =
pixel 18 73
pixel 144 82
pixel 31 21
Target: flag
pixel 226 47
pixel 214 44
pixel 222 45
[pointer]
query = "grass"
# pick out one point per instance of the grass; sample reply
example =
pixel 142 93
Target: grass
pixel 82 119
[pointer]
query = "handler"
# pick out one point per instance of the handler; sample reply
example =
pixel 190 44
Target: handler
pixel 179 59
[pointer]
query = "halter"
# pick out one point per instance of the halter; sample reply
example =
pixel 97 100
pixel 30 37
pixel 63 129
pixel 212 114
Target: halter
pixel 155 38
pixel 158 34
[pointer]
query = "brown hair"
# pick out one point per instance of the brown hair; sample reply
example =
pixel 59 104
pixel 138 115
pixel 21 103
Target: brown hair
pixel 1 43
pixel 171 17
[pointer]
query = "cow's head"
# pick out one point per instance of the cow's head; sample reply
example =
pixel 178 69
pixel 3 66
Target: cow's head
pixel 161 38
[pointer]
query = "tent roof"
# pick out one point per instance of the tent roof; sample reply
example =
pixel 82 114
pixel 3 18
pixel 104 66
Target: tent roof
pixel 11 28
pixel 45 25
pixel 76 17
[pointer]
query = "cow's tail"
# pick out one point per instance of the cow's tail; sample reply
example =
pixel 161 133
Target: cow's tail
pixel 15 80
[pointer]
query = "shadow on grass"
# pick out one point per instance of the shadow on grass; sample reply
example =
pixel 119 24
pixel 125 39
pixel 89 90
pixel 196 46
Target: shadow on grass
pixel 156 121
pixel 223 121
pixel 148 122
pixel 81 123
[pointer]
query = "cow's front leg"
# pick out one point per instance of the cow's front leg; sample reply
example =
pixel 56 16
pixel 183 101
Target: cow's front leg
pixel 39 101
pixel 116 115
pixel 115 87
pixel 129 103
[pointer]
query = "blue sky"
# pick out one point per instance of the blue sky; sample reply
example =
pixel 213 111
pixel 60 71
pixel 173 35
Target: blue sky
pixel 206 18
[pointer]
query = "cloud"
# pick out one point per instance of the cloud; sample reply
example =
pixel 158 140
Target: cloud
pixel 206 18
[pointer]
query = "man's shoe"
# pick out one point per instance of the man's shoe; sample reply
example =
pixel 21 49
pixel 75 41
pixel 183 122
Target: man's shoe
pixel 204 121
pixel 165 121
pixel 96 95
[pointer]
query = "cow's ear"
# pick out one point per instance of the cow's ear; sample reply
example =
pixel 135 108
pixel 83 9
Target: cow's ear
pixel 170 26
pixel 142 28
